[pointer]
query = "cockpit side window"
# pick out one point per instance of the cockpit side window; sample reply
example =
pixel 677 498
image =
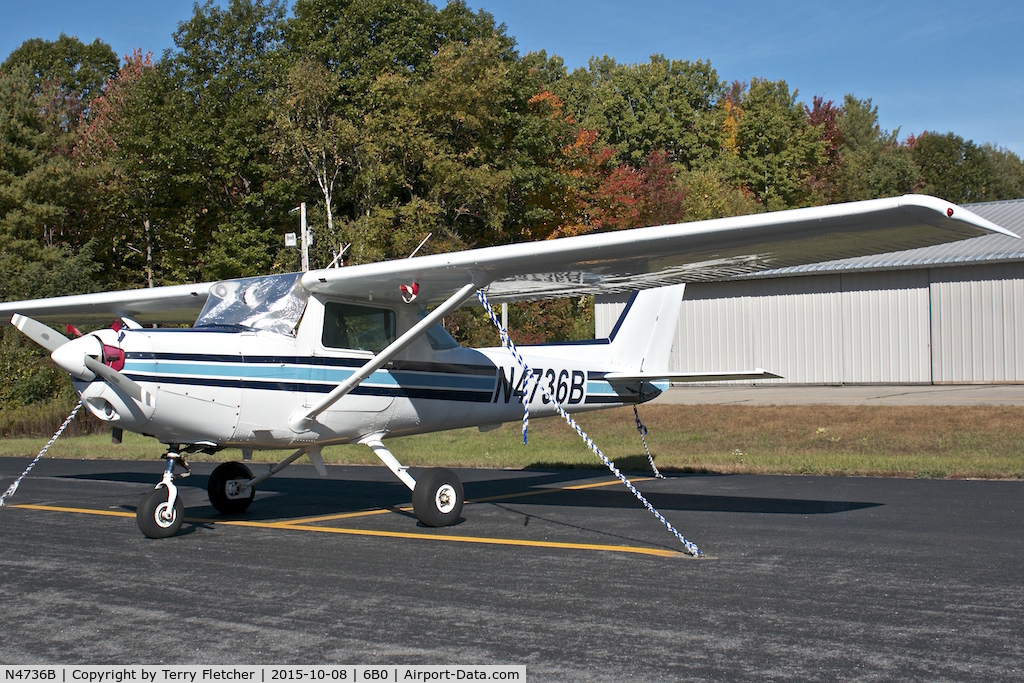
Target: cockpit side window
pixel 438 337
pixel 350 326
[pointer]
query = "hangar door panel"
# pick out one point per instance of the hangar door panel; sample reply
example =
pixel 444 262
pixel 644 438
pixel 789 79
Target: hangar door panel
pixel 886 327
pixel 978 323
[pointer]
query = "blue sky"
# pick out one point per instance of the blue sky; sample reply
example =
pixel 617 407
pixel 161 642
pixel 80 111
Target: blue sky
pixel 932 65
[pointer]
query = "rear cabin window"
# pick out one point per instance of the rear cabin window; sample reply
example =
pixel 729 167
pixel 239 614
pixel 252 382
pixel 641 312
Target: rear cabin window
pixel 348 326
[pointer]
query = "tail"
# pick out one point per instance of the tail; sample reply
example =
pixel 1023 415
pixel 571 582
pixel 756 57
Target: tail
pixel 642 338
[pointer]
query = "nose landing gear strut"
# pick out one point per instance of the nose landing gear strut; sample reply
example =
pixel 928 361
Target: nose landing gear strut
pixel 160 511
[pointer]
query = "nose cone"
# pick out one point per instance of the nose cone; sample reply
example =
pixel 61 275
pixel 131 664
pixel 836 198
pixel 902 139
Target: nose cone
pixel 70 357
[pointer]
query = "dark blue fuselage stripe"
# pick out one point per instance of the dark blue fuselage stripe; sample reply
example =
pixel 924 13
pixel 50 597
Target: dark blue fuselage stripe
pixel 362 390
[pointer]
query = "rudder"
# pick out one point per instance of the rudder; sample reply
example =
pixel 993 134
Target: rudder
pixel 642 337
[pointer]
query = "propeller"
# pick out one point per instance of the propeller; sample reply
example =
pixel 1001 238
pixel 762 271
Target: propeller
pixel 47 337
pixel 76 357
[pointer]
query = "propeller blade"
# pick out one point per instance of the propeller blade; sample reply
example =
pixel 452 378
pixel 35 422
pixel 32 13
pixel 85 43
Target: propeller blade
pixel 47 337
pixel 116 379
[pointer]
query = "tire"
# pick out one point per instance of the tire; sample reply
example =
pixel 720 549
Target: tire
pixel 438 497
pixel 217 488
pixel 152 514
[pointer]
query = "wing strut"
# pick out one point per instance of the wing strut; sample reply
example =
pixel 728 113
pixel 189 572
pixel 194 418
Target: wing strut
pixel 301 421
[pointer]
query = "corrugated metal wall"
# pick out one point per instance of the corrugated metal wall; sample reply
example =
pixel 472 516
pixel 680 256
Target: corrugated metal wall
pixel 952 324
pixel 978 323
pixel 727 326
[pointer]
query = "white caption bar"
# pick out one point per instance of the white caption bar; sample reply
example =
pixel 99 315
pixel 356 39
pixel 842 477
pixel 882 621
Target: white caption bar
pixel 137 673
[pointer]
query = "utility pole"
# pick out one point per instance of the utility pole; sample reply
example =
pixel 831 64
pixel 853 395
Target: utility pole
pixel 304 238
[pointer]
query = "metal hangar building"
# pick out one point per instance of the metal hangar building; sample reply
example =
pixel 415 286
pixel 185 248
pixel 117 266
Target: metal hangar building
pixel 952 313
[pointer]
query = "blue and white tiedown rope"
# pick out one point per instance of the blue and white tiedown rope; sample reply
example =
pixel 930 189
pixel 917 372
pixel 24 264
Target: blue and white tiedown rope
pixel 14 487
pixel 688 545
pixel 640 427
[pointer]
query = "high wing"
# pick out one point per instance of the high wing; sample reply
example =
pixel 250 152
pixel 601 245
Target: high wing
pixel 610 262
pixel 628 260
pixel 160 305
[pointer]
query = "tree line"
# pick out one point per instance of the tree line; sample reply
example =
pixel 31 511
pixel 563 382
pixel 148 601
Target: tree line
pixel 393 119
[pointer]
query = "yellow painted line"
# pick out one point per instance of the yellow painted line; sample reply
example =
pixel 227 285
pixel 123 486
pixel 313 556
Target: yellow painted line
pixel 510 496
pixel 658 552
pixel 102 513
pixel 488 499
pixel 580 487
pixel 345 515
pixel 556 489
pixel 84 511
pixel 295 526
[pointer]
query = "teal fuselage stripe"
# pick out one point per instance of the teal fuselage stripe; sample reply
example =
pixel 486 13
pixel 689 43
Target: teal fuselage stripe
pixel 300 373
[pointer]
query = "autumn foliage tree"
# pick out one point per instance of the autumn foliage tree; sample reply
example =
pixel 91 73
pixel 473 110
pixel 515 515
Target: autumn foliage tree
pixel 825 116
pixel 119 149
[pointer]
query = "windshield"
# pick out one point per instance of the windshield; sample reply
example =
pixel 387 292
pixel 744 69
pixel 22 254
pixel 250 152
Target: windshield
pixel 273 302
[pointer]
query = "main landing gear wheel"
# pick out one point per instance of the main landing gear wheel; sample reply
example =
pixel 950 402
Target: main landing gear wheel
pixel 156 517
pixel 437 498
pixel 228 488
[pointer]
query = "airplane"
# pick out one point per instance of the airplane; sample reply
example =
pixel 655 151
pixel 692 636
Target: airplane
pixel 357 354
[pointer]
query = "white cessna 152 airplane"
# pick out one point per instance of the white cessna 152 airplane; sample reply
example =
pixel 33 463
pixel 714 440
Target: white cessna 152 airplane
pixel 346 355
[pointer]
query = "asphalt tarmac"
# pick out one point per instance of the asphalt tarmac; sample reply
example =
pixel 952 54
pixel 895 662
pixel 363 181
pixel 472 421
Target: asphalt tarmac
pixel 806 578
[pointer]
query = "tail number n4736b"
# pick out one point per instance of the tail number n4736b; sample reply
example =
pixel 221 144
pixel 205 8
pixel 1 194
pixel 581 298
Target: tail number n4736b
pixel 566 386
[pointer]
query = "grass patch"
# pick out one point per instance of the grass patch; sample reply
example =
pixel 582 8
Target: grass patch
pixel 897 441
pixel 43 419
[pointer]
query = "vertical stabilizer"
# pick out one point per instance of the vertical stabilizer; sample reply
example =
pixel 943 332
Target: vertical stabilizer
pixel 642 338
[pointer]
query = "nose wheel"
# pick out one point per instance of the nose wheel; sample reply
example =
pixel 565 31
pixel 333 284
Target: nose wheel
pixel 158 516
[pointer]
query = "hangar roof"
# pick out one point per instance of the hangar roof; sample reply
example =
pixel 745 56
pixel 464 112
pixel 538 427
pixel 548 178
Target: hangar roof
pixel 1008 214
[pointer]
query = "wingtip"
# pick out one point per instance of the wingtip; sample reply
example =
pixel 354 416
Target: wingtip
pixel 954 212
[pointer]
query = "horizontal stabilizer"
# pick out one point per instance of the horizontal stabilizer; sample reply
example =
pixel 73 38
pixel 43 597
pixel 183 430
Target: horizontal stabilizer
pixel 629 377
